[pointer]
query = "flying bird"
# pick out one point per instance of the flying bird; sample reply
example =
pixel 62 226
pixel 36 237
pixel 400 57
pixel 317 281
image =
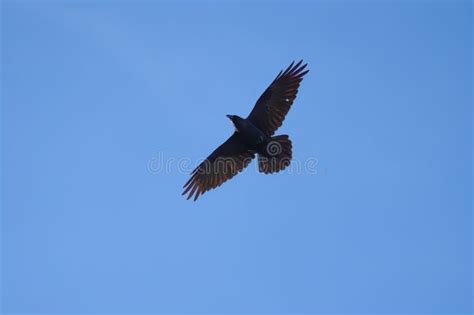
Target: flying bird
pixel 253 135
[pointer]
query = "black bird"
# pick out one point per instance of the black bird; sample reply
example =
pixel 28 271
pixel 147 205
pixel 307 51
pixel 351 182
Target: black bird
pixel 253 135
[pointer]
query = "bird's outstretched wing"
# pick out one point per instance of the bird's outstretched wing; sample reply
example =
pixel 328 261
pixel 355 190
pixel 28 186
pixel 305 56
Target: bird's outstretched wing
pixel 224 163
pixel 273 105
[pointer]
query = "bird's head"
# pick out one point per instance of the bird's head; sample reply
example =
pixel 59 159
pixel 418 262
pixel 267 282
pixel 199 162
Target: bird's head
pixel 236 120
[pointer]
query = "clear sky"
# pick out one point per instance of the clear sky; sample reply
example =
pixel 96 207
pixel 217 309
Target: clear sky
pixel 97 95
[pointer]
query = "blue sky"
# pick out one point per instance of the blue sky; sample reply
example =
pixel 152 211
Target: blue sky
pixel 96 93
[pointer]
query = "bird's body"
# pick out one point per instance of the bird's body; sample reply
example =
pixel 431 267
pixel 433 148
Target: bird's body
pixel 248 133
pixel 253 135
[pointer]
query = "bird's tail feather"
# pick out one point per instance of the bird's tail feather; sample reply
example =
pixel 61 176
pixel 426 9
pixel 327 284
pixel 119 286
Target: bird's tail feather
pixel 276 155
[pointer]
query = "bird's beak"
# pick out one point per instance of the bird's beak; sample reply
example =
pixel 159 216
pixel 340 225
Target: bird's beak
pixel 229 116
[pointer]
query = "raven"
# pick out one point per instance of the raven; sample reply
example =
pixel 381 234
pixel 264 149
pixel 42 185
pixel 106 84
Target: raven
pixel 253 135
